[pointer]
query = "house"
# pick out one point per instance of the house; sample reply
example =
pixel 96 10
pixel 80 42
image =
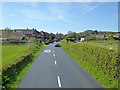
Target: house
pixel 100 36
pixel 117 35
pixel 43 35
pixel 82 39
pixel 29 33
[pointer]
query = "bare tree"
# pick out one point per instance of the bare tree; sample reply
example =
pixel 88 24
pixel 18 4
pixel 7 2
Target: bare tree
pixel 69 32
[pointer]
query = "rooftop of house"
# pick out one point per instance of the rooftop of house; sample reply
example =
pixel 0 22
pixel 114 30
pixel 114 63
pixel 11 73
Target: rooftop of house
pixel 25 31
pixel 15 35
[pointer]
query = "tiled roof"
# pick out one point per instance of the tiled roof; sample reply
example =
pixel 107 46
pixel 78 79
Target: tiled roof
pixel 25 31
pixel 12 35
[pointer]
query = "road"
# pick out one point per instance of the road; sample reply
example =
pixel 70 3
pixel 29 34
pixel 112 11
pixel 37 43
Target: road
pixel 54 68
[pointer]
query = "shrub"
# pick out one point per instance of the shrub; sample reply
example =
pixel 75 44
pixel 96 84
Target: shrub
pixel 103 59
pixel 56 40
pixel 47 42
pixel 33 40
pixel 51 41
pixel 10 71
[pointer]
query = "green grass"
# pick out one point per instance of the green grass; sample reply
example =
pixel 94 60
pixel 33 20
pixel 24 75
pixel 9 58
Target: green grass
pixel 113 44
pixel 97 74
pixel 12 52
pixel 25 70
pixel 98 61
pixel 21 73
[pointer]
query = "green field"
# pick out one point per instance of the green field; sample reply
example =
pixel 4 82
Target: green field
pixel 12 52
pixel 109 44
pixel 17 60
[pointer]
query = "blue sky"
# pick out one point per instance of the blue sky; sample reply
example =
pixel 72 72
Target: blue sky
pixel 61 17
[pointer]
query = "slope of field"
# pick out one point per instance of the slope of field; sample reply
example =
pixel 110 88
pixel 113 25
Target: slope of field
pixel 11 52
pixel 105 44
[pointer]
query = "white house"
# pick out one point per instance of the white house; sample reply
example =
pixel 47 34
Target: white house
pixel 82 39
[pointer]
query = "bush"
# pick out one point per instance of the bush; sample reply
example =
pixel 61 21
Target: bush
pixel 51 41
pixel 33 40
pixel 9 72
pixel 103 59
pixel 47 42
pixel 56 40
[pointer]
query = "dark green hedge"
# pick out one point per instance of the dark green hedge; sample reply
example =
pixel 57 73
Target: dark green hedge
pixel 105 60
pixel 10 72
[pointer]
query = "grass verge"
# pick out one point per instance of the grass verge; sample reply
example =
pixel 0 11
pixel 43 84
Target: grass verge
pixel 87 57
pixel 98 75
pixel 24 70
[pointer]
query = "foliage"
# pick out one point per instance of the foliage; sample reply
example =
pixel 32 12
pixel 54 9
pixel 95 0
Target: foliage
pixel 51 41
pixel 71 35
pixel 89 37
pixel 47 42
pixel 12 70
pixel 10 73
pixel 56 40
pixel 33 40
pixel 105 60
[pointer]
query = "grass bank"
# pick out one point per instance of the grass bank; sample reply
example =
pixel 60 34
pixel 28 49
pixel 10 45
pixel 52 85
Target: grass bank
pixel 101 63
pixel 104 44
pixel 13 74
pixel 12 52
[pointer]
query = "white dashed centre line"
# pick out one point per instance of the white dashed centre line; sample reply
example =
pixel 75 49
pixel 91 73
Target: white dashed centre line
pixel 55 62
pixel 59 83
pixel 54 55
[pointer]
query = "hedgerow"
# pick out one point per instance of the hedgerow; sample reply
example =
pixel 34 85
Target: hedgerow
pixel 12 69
pixel 104 60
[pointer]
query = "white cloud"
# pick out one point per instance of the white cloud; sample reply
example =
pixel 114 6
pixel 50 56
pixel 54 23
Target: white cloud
pixel 53 13
pixel 90 8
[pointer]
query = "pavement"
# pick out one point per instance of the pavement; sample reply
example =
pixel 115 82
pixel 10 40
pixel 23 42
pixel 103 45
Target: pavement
pixel 54 68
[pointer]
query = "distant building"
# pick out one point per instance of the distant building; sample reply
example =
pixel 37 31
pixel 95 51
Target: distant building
pixel 82 39
pixel 100 36
pixel 117 35
pixel 29 33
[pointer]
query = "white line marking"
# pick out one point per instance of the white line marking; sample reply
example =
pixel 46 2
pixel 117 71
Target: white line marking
pixel 54 55
pixel 53 50
pixel 55 62
pixel 47 51
pixel 59 83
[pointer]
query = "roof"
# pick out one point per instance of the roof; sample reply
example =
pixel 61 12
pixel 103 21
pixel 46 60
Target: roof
pixel 12 35
pixel 25 31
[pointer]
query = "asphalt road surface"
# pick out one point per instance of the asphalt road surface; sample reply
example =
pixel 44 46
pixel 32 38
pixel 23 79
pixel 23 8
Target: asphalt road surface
pixel 54 68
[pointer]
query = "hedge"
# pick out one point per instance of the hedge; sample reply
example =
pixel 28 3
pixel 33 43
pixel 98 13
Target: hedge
pixel 105 60
pixel 10 71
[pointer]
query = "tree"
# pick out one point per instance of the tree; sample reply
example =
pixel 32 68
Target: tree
pixel 96 32
pixel 72 35
pixel 69 32
pixel 7 28
pixel 33 40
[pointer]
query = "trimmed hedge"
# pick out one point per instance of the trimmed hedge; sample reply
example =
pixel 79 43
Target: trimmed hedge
pixel 10 72
pixel 12 69
pixel 104 60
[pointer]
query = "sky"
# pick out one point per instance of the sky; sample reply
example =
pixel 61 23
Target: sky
pixel 61 17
